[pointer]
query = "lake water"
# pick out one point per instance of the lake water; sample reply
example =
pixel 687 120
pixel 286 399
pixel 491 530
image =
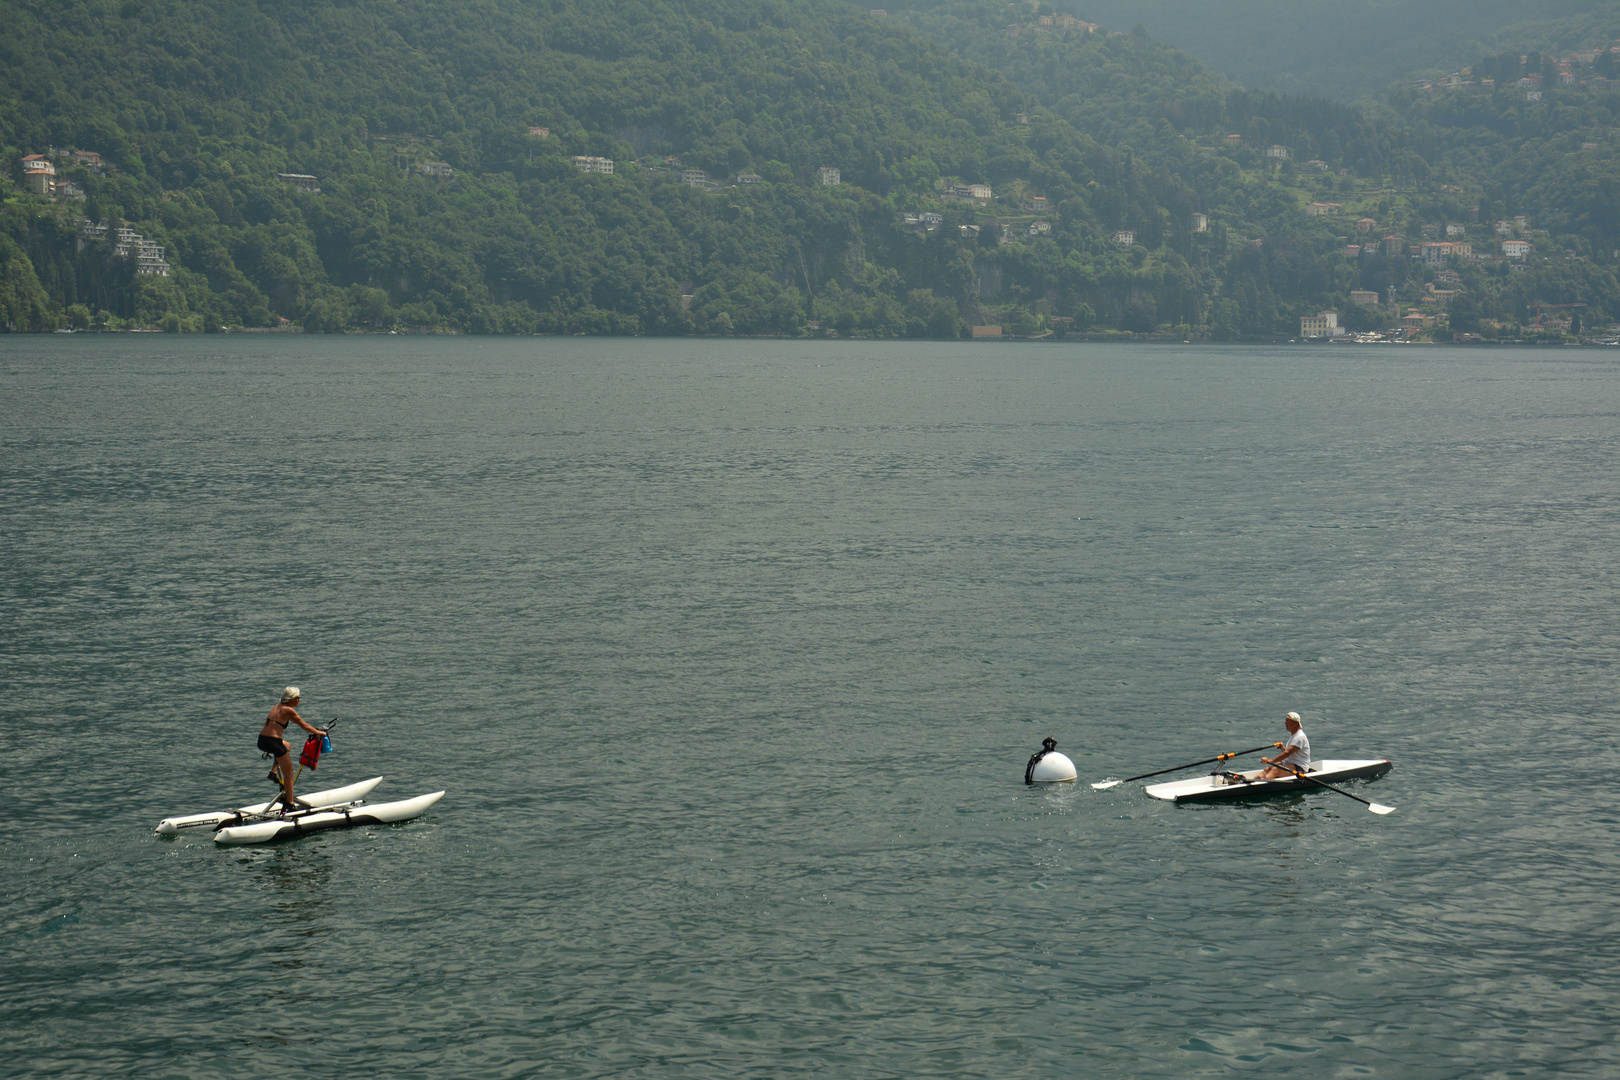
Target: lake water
pixel 730 656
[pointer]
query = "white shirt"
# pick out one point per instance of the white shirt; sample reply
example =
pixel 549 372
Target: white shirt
pixel 1301 757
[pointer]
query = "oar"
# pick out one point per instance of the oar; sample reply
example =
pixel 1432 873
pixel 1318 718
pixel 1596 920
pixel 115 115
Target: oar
pixel 1376 808
pixel 1106 784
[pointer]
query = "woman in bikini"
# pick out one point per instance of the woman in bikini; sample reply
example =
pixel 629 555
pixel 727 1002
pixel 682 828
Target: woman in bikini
pixel 271 742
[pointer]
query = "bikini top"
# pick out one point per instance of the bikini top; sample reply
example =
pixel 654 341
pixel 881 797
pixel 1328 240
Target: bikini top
pixel 276 718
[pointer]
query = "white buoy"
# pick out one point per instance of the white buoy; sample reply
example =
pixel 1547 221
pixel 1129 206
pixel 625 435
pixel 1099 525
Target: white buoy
pixel 1054 768
pixel 1049 767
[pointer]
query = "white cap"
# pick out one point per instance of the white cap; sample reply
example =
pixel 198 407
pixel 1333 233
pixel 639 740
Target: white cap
pixel 1294 716
pixel 292 694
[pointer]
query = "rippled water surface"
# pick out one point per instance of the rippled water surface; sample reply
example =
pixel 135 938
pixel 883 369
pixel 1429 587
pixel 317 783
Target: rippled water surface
pixel 730 657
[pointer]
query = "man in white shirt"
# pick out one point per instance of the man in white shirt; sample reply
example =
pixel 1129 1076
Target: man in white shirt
pixel 1296 755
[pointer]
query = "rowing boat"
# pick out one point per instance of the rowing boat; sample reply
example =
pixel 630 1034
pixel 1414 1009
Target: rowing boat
pixel 215 819
pixel 302 823
pixel 1217 786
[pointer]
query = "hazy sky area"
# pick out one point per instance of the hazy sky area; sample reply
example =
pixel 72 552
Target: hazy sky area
pixel 1350 48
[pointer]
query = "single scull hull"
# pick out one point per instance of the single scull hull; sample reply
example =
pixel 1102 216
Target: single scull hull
pixel 1216 788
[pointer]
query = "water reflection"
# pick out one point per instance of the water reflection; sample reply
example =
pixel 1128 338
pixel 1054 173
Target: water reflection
pixel 1290 810
pixel 299 878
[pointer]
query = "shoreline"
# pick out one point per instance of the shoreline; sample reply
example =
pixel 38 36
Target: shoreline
pixel 1120 338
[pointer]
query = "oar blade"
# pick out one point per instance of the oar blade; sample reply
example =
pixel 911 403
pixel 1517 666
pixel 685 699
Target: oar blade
pixel 1106 784
pixel 1379 809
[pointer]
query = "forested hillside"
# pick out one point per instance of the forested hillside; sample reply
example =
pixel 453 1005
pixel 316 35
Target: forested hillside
pixel 1354 48
pixel 1466 158
pixel 196 108
pixel 1043 180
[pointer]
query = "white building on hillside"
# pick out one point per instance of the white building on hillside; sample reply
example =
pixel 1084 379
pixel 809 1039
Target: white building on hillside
pixel 1324 324
pixel 301 181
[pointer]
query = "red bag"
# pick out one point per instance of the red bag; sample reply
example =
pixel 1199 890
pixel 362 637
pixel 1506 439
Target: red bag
pixel 312 752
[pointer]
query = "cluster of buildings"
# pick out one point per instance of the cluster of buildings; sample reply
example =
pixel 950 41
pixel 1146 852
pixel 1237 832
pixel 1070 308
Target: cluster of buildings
pixel 41 178
pixel 1198 221
pixel 826 175
pixel 1006 231
pixel 1414 320
pixel 1431 252
pixel 39 174
pixel 1535 81
pixel 1052 23
pixel 1436 252
pixel 128 243
pixel 699 179
pixel 1324 325
pixel 1410 323
pixel 927 221
pixel 973 193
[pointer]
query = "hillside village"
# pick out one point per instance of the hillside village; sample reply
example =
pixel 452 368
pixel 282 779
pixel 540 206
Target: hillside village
pixel 1435 254
pixel 1375 222
pixel 1594 69
pixel 1218 213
